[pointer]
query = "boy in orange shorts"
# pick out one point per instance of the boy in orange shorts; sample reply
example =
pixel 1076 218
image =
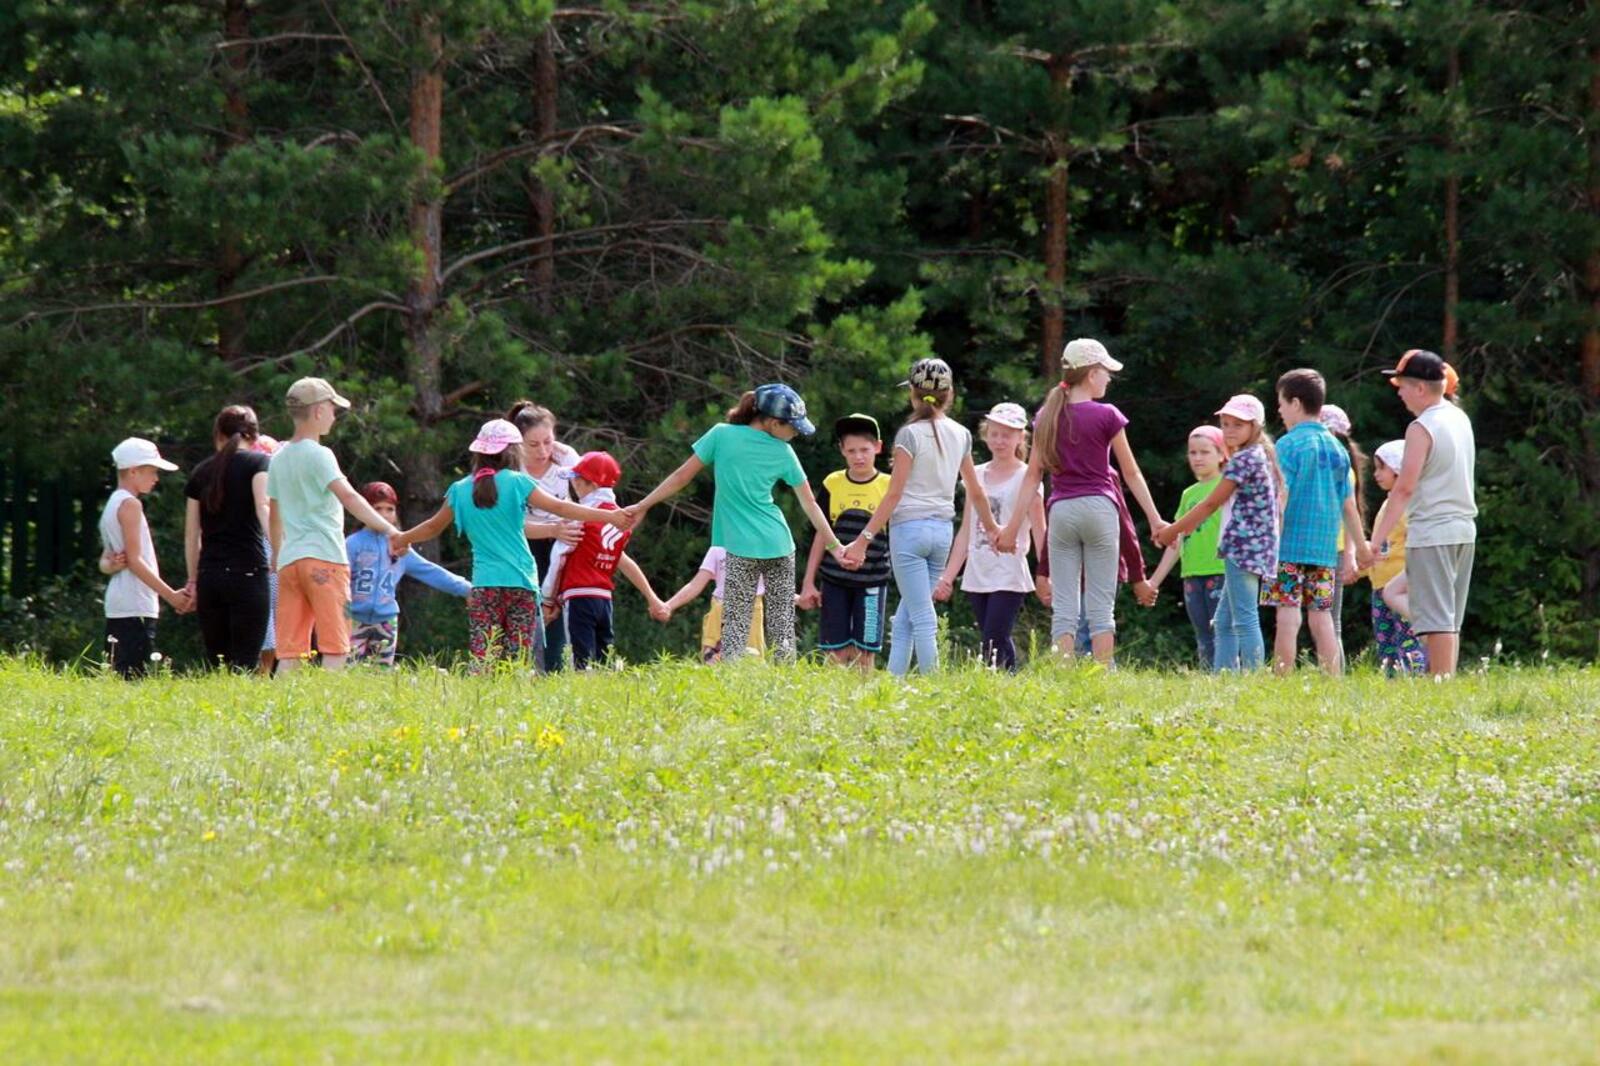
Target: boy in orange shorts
pixel 308 494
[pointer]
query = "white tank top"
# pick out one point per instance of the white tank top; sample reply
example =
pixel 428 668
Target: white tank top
pixel 987 570
pixel 1444 510
pixel 126 595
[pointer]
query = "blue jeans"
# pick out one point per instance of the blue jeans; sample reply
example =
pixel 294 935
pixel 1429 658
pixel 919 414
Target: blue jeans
pixel 1238 622
pixel 1200 598
pixel 918 551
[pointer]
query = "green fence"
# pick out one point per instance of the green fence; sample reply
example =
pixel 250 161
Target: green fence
pixel 47 528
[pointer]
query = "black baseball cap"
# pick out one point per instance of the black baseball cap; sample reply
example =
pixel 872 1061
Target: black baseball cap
pixel 1419 365
pixel 858 425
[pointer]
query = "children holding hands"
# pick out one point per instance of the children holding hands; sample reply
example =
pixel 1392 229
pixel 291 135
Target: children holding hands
pixel 853 601
pixel 375 575
pixel 1075 437
pixel 931 452
pixel 750 455
pixel 487 507
pixel 582 576
pixel 1202 568
pixel 997 584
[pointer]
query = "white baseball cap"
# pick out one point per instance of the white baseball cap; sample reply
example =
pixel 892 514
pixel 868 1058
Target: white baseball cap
pixel 1244 407
pixel 136 451
pixel 1086 351
pixel 1008 414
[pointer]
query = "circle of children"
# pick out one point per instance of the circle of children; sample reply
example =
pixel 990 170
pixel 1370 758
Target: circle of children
pixel 1279 526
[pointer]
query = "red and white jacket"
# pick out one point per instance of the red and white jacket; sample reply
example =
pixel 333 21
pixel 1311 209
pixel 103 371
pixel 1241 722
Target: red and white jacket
pixel 588 569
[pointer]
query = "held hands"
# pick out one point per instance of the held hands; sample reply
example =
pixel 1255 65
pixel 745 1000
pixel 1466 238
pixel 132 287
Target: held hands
pixel 552 610
pixel 1364 555
pixel 398 545
pixel 1145 593
pixel 943 588
pixel 1157 526
pixel 181 600
pixel 623 520
pixel 1166 535
pixel 853 556
pixel 113 562
pixel 1043 589
pixel 810 598
pixel 1004 540
pixel 634 516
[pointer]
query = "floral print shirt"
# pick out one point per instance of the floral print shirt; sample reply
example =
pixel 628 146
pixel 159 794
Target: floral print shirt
pixel 1250 517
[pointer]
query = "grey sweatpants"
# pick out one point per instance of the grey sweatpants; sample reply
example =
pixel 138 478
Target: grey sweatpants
pixel 1083 564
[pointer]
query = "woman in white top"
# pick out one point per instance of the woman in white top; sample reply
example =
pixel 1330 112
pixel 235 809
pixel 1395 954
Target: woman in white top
pixel 544 458
pixel 997 583
pixel 931 452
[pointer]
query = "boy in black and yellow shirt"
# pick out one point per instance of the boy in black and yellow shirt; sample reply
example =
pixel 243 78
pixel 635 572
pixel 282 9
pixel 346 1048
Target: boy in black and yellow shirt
pixel 853 602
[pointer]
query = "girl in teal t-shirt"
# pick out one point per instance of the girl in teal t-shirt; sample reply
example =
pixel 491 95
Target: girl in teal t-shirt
pixel 1202 568
pixel 749 455
pixel 487 507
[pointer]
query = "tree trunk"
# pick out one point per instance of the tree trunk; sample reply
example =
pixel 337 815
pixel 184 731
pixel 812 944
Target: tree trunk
pixel 1591 266
pixel 1057 219
pixel 424 480
pixel 231 320
pixel 1589 359
pixel 1452 206
pixel 541 198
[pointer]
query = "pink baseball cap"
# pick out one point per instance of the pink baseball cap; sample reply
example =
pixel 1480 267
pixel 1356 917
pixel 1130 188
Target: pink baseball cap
pixel 1244 407
pixel 495 437
pixel 265 445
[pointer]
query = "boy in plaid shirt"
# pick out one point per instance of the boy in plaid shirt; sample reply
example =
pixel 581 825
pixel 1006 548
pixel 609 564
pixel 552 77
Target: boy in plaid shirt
pixel 1316 480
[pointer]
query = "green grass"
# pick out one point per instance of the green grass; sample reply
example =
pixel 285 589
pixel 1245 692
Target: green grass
pixel 756 865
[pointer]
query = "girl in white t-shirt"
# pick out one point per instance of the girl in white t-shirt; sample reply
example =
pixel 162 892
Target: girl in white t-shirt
pixel 544 459
pixel 997 583
pixel 713 569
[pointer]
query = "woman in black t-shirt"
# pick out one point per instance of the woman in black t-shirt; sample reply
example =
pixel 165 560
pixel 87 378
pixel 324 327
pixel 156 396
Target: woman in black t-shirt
pixel 223 545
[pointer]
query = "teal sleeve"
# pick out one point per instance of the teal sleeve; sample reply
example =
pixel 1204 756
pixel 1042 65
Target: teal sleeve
pixel 794 474
pixel 705 449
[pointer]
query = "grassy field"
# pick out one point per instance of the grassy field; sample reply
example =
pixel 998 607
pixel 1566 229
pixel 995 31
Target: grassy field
pixel 675 864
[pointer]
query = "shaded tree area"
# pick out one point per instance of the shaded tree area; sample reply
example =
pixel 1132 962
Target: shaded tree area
pixel 632 211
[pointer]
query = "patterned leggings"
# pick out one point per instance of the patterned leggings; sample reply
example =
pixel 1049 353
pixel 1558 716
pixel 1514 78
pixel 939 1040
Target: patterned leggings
pixel 739 604
pixel 505 623
pixel 1399 650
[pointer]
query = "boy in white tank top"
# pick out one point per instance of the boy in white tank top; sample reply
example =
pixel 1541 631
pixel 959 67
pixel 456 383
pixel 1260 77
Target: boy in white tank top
pixel 134 594
pixel 1435 492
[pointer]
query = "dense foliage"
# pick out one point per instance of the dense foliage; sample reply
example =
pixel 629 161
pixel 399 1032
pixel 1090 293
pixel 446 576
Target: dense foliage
pixel 630 212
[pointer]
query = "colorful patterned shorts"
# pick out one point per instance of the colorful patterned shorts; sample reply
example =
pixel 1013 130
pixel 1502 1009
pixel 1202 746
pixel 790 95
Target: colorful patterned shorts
pixel 374 642
pixel 1301 586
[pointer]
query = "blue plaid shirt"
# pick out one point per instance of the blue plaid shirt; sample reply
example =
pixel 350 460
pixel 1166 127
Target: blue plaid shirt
pixel 1316 475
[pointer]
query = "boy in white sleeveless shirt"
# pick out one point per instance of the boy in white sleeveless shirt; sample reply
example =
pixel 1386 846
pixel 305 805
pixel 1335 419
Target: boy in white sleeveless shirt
pixel 1435 492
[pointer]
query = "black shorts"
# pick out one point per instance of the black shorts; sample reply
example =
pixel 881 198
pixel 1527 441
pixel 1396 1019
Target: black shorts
pixel 130 642
pixel 853 617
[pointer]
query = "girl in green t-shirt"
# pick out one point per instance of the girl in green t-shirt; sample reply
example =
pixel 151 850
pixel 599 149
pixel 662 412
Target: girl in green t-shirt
pixel 1202 568
pixel 749 455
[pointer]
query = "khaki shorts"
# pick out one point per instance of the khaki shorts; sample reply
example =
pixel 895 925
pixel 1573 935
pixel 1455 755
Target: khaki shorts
pixel 1440 578
pixel 313 594
pixel 711 630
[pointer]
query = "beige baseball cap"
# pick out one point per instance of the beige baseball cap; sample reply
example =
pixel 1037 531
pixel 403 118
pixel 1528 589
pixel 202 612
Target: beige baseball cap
pixel 308 391
pixel 1086 351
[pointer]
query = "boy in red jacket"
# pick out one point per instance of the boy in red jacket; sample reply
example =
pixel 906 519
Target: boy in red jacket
pixel 582 575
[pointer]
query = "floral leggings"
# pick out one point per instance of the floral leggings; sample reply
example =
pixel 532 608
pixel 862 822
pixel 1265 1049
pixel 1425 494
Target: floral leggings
pixel 1399 650
pixel 739 604
pixel 504 623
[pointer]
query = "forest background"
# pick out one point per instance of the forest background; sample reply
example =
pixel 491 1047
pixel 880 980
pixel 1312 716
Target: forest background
pixel 632 212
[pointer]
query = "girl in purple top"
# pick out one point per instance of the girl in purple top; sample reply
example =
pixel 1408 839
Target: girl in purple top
pixel 1075 436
